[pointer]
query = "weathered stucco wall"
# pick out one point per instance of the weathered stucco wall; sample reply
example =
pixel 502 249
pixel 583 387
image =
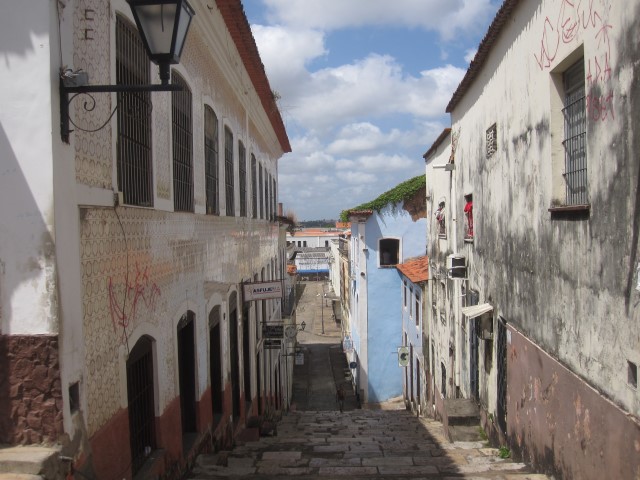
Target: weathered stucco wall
pixel 565 281
pixel 28 276
pixel 558 423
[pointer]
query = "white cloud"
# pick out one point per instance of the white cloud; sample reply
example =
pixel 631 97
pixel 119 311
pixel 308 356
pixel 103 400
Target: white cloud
pixel 360 127
pixel 470 54
pixel 372 87
pixel 448 18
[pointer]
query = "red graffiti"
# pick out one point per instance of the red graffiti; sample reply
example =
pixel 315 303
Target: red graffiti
pixel 571 19
pixel 588 17
pixel 600 107
pixel 123 305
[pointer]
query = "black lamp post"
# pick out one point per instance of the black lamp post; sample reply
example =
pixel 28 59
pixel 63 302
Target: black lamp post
pixel 163 27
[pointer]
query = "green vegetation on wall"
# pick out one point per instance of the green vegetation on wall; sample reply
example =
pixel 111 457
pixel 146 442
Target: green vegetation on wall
pixel 399 194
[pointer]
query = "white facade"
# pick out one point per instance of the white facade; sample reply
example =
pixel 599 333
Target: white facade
pixel 96 276
pixel 545 141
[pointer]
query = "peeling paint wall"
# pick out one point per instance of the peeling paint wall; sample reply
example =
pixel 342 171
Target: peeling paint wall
pixel 563 279
pixel 558 423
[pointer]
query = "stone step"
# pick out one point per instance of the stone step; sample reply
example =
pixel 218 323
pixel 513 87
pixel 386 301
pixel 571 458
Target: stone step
pixel 462 411
pixel 30 461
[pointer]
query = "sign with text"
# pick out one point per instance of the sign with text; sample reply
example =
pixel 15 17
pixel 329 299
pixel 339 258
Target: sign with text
pixel 262 290
pixel 272 331
pixel 272 343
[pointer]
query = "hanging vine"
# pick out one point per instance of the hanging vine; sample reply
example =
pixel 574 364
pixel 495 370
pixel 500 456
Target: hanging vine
pixel 399 194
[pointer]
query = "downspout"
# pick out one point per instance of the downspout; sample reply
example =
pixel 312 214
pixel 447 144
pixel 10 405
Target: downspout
pixel 456 286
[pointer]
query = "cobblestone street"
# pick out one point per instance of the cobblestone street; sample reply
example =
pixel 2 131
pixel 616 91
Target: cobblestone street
pixel 360 444
pixel 315 440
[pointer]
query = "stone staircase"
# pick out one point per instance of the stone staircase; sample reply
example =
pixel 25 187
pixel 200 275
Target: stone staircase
pixel 31 463
pixel 462 420
pixel 359 444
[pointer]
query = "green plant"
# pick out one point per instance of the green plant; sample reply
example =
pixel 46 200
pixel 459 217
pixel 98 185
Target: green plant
pixel 399 194
pixel 504 452
pixel 483 434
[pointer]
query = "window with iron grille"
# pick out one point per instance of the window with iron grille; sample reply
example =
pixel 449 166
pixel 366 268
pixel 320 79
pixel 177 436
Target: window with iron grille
pixel 491 140
pixel 211 160
pixel 275 196
pixel 181 113
pixel 575 132
pixel 261 191
pixel 228 171
pixel 254 187
pixel 267 189
pixel 135 175
pixel 242 169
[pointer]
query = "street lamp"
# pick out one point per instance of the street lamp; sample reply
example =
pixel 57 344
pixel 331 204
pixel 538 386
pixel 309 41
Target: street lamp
pixel 163 27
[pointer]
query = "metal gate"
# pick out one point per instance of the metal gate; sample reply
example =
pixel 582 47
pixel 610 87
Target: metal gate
pixel 501 358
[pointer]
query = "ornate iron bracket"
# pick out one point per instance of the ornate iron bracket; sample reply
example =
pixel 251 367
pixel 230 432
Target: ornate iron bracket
pixel 68 86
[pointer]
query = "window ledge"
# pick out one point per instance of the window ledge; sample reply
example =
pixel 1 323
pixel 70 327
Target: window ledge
pixel 571 208
pixel 570 212
pixel 468 240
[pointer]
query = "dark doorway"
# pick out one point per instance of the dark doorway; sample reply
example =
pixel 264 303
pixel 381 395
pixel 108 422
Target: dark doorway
pixel 215 365
pixel 140 398
pixel 277 389
pixel 474 373
pixel 234 356
pixel 501 358
pixel 259 387
pixel 246 354
pixel 443 370
pixel 412 395
pixel 418 396
pixel 187 372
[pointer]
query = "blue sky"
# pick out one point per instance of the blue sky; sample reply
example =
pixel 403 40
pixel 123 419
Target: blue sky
pixel 363 86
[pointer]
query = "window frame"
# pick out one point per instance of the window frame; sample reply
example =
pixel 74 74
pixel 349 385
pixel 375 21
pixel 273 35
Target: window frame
pixel 229 183
pixel 212 162
pixel 398 252
pixel 182 145
pixel 242 177
pixel 134 132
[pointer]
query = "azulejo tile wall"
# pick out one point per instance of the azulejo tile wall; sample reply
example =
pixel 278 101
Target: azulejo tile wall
pixel 137 267
pixel 92 54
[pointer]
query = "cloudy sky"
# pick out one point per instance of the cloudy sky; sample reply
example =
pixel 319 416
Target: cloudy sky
pixel 364 85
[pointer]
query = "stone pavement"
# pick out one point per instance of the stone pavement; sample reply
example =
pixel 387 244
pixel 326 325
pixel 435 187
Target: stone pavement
pixel 315 440
pixel 359 444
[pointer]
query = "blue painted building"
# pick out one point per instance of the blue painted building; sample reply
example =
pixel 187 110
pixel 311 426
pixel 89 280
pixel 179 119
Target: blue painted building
pixel 380 241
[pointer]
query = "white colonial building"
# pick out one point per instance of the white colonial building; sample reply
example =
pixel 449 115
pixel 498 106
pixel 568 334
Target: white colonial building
pixel 124 337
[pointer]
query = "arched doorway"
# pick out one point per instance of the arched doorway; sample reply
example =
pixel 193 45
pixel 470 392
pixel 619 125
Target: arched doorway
pixel 187 372
pixel 234 356
pixel 141 402
pixel 215 365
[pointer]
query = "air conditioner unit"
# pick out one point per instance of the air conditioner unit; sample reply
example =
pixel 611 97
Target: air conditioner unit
pixel 457 266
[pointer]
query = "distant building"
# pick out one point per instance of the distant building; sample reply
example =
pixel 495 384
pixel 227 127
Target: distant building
pixel 414 275
pixel 379 242
pixel 313 237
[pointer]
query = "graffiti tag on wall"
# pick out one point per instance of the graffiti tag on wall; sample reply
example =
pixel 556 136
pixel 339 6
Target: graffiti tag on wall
pixel 586 17
pixel 125 298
